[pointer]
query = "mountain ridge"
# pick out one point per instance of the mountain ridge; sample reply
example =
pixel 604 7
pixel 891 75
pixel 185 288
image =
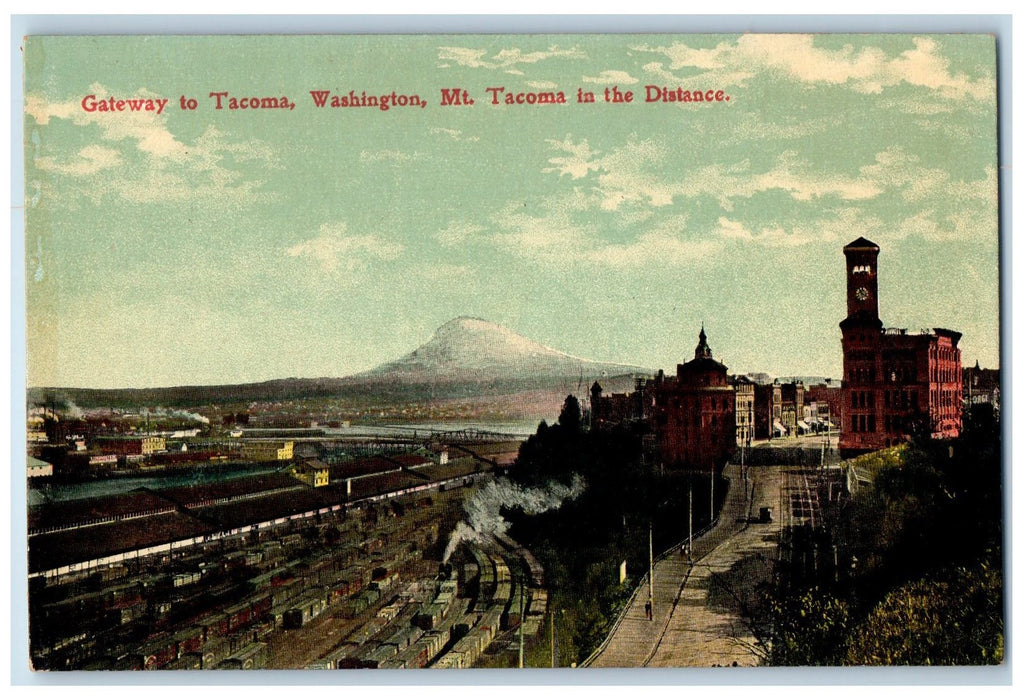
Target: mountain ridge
pixel 466 356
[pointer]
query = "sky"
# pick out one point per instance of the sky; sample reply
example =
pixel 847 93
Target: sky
pixel 201 246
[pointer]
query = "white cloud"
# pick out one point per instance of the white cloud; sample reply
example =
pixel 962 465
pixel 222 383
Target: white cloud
pixel 163 168
pixel 457 232
pixel 542 84
pixel 89 161
pixel 738 75
pixel 147 129
pixel 503 59
pixel 834 226
pixel 392 155
pixel 579 161
pixel 631 175
pixel 663 245
pixel 772 236
pixel 549 233
pixel 867 70
pixel 751 126
pixel 455 134
pixel 652 250
pixel 554 234
pixel 337 250
pixel 899 171
pixel 611 77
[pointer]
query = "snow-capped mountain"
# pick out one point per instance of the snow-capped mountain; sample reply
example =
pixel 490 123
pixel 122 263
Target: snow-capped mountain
pixel 474 349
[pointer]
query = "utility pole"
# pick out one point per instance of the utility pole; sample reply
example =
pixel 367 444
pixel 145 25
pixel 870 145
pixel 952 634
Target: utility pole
pixel 522 643
pixel 651 568
pixel 552 637
pixel 711 493
pixel 690 547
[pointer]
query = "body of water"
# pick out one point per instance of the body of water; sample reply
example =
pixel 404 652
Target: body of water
pixel 111 487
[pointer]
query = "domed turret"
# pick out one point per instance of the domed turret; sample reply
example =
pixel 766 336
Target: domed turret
pixel 703 350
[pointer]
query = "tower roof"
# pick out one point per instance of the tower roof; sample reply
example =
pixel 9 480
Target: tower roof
pixel 703 350
pixel 862 243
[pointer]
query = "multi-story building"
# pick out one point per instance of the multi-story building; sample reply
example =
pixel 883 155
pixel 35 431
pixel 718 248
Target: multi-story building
pixel 268 451
pixel 894 383
pixel 692 415
pixel 791 411
pixel 828 398
pixel 131 445
pixel 767 411
pixel 745 400
pixel 982 386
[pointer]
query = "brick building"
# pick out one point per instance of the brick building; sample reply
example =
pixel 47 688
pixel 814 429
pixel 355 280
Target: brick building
pixel 791 414
pixel 828 398
pixel 894 383
pixel 767 411
pixel 131 445
pixel 692 415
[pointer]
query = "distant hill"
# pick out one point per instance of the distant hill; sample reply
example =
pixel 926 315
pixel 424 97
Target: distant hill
pixel 465 358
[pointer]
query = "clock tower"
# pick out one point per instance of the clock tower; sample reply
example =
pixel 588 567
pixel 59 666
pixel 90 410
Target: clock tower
pixel 861 341
pixel 861 280
pixel 895 384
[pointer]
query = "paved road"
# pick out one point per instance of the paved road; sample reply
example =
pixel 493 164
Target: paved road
pixel 697 607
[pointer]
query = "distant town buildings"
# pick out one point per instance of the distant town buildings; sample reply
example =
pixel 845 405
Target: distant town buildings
pixel 982 386
pixel 133 445
pixel 894 383
pixel 268 451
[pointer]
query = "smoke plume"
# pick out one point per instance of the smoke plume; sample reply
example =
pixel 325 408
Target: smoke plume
pixel 483 519
pixel 178 413
pixel 60 407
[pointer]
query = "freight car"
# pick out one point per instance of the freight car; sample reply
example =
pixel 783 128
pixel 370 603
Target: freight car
pixel 252 656
pixel 305 609
pixel 189 640
pixel 188 662
pixel 214 651
pixel 159 652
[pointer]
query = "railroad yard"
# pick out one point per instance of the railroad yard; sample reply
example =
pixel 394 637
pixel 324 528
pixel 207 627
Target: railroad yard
pixel 268 572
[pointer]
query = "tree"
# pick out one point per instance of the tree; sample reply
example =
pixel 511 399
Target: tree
pixel 808 630
pixel 571 415
pixel 954 620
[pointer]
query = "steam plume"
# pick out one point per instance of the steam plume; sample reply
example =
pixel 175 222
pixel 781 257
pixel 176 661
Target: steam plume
pixel 483 519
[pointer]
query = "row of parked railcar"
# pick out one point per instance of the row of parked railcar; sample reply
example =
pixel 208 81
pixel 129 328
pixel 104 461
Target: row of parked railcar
pixel 533 566
pixel 465 652
pixel 190 589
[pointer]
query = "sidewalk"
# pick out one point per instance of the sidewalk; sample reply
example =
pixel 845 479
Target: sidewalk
pixel 696 609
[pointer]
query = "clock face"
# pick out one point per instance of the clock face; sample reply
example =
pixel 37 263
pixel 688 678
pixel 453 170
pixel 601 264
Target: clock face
pixel 862 294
